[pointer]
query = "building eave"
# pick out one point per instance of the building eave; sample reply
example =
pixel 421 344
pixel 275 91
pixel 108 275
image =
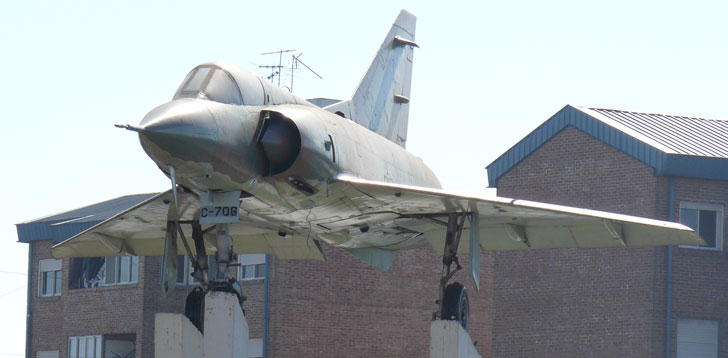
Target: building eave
pixel 661 159
pixel 61 226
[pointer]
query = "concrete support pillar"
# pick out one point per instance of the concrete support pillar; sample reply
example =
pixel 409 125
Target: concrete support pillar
pixel 448 339
pixel 226 330
pixel 176 337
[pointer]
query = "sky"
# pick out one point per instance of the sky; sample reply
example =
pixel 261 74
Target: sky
pixel 486 74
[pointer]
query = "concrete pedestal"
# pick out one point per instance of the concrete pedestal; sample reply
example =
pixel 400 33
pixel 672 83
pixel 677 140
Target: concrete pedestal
pixel 448 339
pixel 176 337
pixel 226 330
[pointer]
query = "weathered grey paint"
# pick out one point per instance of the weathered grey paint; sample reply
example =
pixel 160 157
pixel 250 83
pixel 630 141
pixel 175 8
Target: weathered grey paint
pixel 309 175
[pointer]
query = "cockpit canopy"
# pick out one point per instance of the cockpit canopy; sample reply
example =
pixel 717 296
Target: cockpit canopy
pixel 224 83
pixel 211 83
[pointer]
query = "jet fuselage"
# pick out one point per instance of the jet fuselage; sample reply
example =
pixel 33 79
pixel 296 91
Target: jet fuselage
pixel 275 151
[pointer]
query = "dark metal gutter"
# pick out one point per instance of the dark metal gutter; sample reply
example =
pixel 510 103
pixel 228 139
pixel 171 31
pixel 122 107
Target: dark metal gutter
pixel 30 293
pixel 668 284
pixel 266 302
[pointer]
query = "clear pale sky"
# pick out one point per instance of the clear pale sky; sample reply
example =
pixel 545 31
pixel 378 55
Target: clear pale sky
pixel 487 73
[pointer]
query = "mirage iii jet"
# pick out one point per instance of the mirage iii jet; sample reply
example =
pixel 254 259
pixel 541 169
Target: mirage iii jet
pixel 256 169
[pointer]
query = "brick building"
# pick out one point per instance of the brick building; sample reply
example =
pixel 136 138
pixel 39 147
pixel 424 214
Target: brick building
pixel 573 302
pixel 617 302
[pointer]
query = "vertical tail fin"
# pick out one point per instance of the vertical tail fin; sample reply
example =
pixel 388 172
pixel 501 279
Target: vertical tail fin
pixel 381 102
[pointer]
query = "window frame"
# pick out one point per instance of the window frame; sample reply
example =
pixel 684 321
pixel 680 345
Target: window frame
pixel 246 260
pixel 230 79
pixel 182 93
pixel 188 280
pixel 718 208
pixel 123 337
pixel 56 267
pixel 200 93
pixel 98 346
pixel 133 279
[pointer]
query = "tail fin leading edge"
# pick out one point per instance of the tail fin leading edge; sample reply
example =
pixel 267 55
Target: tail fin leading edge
pixel 381 102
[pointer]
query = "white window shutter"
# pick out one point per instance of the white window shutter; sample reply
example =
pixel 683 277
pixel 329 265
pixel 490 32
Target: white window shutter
pixel 255 348
pixel 697 338
pixel 50 265
pixel 251 259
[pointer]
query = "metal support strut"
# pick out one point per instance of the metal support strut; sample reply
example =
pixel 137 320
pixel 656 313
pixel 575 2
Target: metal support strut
pixel 224 281
pixel 455 223
pixel 200 263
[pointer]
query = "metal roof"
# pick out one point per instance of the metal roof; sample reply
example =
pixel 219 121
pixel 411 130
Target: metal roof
pixel 323 102
pixel 62 226
pixel 677 134
pixel 671 145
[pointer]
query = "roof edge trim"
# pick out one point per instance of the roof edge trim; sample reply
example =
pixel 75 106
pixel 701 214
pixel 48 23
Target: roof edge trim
pixel 597 127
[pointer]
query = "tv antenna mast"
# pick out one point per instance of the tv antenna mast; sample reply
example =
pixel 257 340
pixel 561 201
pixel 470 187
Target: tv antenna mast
pixel 294 65
pixel 274 67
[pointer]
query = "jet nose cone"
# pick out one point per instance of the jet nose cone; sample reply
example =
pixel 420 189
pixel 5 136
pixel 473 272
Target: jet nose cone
pixel 183 130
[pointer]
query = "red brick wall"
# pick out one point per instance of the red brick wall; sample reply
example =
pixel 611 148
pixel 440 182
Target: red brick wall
pixel 579 302
pixel 700 277
pixel 81 312
pixel 102 310
pixel 46 319
pixel 115 309
pixel 154 303
pixel 345 308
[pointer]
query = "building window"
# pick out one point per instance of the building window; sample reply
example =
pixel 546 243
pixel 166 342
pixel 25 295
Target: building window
pixel 707 221
pixel 120 345
pixel 46 354
pixel 697 338
pixel 90 272
pixel 121 270
pixel 252 266
pixel 49 283
pixel 185 270
pixel 107 346
pixel 84 347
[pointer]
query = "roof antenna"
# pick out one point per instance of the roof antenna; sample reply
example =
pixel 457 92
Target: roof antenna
pixel 294 65
pixel 274 67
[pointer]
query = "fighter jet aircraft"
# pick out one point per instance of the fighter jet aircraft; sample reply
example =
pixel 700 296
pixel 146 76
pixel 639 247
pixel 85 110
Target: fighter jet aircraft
pixel 256 169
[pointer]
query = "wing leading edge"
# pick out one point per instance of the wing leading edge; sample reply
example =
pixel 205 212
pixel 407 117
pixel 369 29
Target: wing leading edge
pixel 508 224
pixel 140 230
pixel 418 215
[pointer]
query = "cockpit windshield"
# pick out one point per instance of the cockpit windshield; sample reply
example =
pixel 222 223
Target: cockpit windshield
pixel 211 83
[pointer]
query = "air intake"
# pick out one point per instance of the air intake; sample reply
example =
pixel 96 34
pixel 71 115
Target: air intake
pixel 279 141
